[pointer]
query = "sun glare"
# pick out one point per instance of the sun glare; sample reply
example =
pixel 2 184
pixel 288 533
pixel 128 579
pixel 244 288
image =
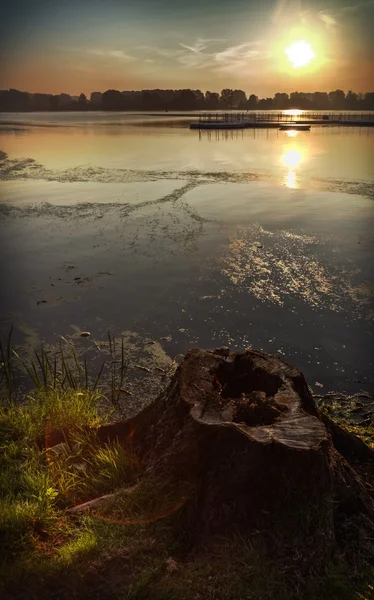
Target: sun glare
pixel 293 112
pixel 300 54
pixel 292 158
pixel 290 180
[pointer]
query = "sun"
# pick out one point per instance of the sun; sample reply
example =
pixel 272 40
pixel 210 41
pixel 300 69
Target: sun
pixel 300 53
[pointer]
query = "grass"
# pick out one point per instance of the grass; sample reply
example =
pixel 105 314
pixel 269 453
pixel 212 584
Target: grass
pixel 134 548
pixel 37 484
pixel 354 413
pixel 138 546
pixel 60 369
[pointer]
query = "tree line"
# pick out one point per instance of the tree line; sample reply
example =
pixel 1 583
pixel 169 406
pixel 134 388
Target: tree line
pixel 186 99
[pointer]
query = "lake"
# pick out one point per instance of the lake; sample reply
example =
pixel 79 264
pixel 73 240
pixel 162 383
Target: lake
pixel 134 223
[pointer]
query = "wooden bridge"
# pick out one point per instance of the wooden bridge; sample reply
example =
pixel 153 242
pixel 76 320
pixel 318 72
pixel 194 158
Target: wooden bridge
pixel 243 120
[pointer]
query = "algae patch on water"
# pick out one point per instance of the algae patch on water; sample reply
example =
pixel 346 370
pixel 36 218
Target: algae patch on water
pixel 280 265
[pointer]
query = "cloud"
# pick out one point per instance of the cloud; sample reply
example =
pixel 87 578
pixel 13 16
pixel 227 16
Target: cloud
pixel 327 18
pixel 120 54
pixel 201 44
pixel 292 11
pixel 354 7
pixel 237 53
pixel 332 16
pixel 212 40
pixel 230 58
pixel 152 51
pixel 286 10
pixel 197 48
pixel 203 53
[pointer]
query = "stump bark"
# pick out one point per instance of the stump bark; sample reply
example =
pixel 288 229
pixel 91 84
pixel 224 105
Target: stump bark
pixel 244 430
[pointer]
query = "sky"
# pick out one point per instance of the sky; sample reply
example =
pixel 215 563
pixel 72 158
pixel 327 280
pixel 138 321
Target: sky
pixel 75 46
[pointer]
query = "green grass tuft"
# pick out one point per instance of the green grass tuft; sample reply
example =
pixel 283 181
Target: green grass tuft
pixel 138 546
pixel 81 546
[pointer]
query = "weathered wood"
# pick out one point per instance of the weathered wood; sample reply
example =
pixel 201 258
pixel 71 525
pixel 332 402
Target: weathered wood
pixel 243 430
pixel 252 119
pixel 95 503
pixel 100 501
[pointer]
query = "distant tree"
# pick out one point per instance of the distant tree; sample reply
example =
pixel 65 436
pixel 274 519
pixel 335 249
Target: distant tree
pixel 265 104
pixel 82 102
pixel 281 100
pixel 320 101
pixel 300 100
pixel 64 101
pixel 239 98
pixel 41 101
pixel 53 102
pixel 351 100
pixel 14 100
pixel 151 100
pixel 337 99
pixel 368 101
pixel 227 98
pixel 199 99
pixel 360 98
pixel 112 100
pixel 168 98
pixel 252 102
pixel 96 98
pixel 131 100
pixel 211 100
pixel 185 100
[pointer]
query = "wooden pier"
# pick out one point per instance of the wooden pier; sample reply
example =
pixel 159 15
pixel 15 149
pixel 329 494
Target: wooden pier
pixel 244 120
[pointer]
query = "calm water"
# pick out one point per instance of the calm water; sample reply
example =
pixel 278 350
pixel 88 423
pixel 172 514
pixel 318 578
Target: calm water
pixel 136 223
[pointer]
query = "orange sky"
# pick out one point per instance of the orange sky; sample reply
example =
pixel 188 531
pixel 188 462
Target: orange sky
pixel 86 46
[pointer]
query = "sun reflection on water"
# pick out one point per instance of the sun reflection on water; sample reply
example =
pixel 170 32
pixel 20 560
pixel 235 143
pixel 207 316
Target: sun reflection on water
pixel 291 180
pixel 293 112
pixel 292 158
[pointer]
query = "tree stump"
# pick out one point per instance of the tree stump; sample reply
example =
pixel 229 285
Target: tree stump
pixel 244 430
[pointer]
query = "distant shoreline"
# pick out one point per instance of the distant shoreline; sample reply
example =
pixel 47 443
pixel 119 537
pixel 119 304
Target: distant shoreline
pixel 185 113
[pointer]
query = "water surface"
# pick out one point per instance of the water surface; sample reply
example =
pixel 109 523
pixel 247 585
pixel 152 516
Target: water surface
pixel 128 222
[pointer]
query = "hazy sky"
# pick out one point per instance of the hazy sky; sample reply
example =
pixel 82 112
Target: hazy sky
pixel 78 46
